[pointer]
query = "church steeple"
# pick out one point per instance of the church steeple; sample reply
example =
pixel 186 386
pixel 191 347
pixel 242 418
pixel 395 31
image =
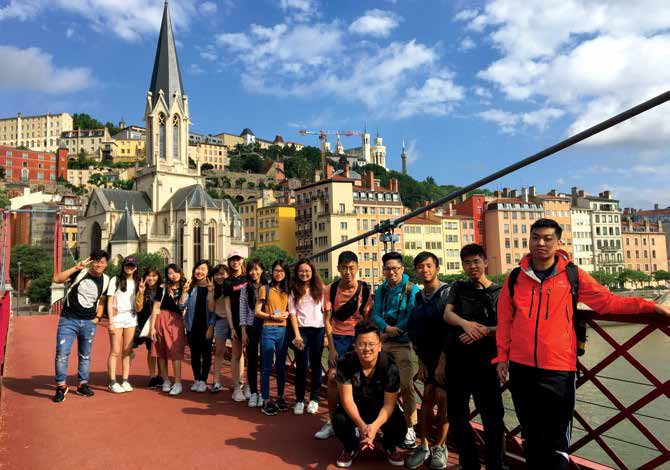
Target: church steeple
pixel 166 75
pixel 403 156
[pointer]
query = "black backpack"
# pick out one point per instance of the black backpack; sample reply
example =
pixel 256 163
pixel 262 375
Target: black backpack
pixel 578 321
pixel 350 307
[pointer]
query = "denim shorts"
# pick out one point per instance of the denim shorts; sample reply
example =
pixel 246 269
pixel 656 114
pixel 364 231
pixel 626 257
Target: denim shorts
pixel 343 343
pixel 221 328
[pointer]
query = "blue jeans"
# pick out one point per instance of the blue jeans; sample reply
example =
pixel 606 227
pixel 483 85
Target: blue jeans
pixel 68 330
pixel 273 343
pixel 313 339
pixel 342 344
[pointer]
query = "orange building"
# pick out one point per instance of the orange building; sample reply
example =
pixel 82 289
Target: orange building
pixel 644 246
pixel 557 207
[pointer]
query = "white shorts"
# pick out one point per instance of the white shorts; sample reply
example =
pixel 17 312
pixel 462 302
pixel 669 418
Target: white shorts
pixel 124 320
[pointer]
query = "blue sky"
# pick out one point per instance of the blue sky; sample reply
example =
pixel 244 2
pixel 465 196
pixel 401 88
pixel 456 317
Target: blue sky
pixel 470 86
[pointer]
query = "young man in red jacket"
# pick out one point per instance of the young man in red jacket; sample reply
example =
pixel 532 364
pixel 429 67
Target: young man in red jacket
pixel 537 344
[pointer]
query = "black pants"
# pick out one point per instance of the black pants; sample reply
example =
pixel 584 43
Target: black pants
pixel 544 401
pixel 253 359
pixel 313 339
pixel 394 428
pixel 201 353
pixel 468 375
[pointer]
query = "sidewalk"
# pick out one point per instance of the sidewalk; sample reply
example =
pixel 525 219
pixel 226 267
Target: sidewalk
pixel 144 429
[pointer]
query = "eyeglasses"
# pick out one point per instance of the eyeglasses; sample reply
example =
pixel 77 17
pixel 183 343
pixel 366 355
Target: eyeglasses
pixel 278 271
pixel 364 346
pixel 394 269
pixel 351 269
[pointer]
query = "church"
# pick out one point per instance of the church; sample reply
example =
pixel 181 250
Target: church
pixel 169 211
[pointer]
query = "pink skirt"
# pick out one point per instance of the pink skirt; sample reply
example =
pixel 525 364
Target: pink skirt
pixel 170 337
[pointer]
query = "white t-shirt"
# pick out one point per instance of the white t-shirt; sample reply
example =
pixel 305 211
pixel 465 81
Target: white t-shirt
pixel 125 301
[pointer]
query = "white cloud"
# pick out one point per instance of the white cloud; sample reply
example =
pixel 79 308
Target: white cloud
pixel 412 152
pixel 195 69
pixel 69 32
pixel 466 15
pixel 299 10
pixel 130 19
pixel 436 97
pixel 611 59
pixel 208 8
pixel 482 92
pixel 377 23
pixel 208 55
pixel 509 122
pixel 466 44
pixel 33 69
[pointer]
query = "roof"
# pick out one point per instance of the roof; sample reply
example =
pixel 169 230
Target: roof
pixel 246 131
pixel 166 75
pixel 117 199
pixel 125 229
pixel 195 196
pixel 557 197
pixel 421 220
pixel 352 174
pixel 651 212
pixel 278 139
pixel 334 179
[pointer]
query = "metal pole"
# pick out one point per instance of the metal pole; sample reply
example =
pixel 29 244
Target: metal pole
pixel 18 283
pixel 387 225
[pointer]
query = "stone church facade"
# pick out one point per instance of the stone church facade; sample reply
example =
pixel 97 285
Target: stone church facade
pixel 168 212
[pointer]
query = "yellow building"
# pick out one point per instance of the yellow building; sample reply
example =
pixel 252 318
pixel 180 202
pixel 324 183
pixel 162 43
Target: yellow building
pixel 123 150
pixel 206 149
pixel 451 243
pixel 424 233
pixel 40 133
pixel 276 227
pixel 88 141
pixel 248 213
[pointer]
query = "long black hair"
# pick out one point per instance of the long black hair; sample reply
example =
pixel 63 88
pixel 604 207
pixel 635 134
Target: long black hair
pixel 299 288
pixel 200 262
pixel 251 291
pixel 176 269
pixel 122 281
pixel 218 288
pixel 283 285
pixel 150 292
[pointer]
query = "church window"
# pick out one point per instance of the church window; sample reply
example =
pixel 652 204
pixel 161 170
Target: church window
pixel 197 240
pixel 180 245
pixel 175 137
pixel 211 238
pixel 161 136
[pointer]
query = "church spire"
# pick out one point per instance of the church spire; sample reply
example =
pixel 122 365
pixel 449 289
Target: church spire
pixel 166 75
pixel 403 156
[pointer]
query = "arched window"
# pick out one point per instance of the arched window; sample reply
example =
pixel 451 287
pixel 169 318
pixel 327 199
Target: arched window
pixel 162 139
pixel 165 255
pixel 175 138
pixel 197 241
pixel 96 237
pixel 211 240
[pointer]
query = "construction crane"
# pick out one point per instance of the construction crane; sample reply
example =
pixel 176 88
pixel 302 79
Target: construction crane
pixel 323 139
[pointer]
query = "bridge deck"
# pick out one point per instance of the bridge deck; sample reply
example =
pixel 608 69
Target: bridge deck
pixel 144 429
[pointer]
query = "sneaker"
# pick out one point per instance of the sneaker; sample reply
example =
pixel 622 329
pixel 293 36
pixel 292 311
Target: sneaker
pixel 393 457
pixel 281 405
pixel 326 431
pixel 269 408
pixel 246 391
pixel 417 458
pixel 195 386
pixel 346 458
pixel 253 400
pixel 299 408
pixel 61 391
pixel 84 390
pixel 159 381
pixel 216 387
pixel 238 395
pixel 153 382
pixel 167 385
pixel 202 388
pixel 126 386
pixel 176 389
pixel 312 407
pixel 440 457
pixel 410 439
pixel 115 387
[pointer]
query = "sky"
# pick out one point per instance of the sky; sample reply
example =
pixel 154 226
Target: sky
pixel 470 86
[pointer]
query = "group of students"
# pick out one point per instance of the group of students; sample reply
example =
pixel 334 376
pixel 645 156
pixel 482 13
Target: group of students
pixel 460 341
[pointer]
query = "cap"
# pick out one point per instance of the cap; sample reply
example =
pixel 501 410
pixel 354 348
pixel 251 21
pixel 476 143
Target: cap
pixel 131 261
pixel 235 254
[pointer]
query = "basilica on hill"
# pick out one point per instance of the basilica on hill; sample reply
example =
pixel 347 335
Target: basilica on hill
pixel 168 211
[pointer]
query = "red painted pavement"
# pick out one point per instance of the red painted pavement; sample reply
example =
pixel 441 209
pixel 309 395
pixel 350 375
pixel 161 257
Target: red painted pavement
pixel 144 429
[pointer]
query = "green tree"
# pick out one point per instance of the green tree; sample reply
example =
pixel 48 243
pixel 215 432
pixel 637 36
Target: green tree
pixel 661 275
pixel 97 179
pixel 450 278
pixel 270 254
pixel 499 278
pixel 144 261
pixel 408 263
pixel 251 185
pixel 2 172
pixel 606 279
pixel 123 184
pixel 39 290
pixel 4 199
pixel 35 260
pixel 239 182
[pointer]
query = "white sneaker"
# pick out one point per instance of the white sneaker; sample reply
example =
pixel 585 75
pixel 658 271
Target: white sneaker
pixel 126 386
pixel 202 387
pixel 312 407
pixel 247 391
pixel 238 395
pixel 167 385
pixel 114 387
pixel 299 408
pixel 195 386
pixel 175 390
pixel 410 438
pixel 253 400
pixel 325 432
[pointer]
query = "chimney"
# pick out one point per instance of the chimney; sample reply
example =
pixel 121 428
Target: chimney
pixel 497 193
pixel 655 207
pixel 524 194
pixel 317 175
pixel 532 191
pixel 552 192
pixel 329 171
pixel 514 193
pixel 581 193
pixel 605 195
pixel 370 180
pixel 505 192
pixel 393 184
pixel 574 191
pixel 346 170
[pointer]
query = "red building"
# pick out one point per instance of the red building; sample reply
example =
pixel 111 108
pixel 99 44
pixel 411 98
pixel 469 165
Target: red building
pixel 474 206
pixel 28 166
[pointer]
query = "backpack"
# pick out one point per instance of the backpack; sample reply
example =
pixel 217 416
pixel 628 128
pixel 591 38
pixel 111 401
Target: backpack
pixel 408 292
pixel 578 321
pixel 350 307
pixel 426 322
pixel 80 277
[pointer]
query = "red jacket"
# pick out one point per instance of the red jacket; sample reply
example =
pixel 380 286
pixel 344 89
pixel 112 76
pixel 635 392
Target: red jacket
pixel 535 328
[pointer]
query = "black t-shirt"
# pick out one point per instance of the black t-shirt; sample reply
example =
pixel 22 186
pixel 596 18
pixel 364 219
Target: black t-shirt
pixel 474 304
pixel 82 300
pixel 369 391
pixel 232 287
pixel 169 302
pixel 426 327
pixel 147 307
pixel 200 314
pixel 545 273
